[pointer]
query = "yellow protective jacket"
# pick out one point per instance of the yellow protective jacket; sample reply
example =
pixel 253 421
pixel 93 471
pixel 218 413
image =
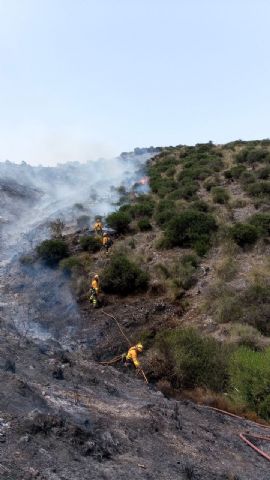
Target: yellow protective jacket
pixel 106 240
pixel 98 227
pixel 95 285
pixel 133 356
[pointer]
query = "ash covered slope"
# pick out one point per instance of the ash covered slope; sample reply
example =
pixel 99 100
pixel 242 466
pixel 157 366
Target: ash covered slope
pixel 63 416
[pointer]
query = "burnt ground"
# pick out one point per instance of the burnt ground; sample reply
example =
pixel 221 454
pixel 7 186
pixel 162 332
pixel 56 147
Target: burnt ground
pixel 64 416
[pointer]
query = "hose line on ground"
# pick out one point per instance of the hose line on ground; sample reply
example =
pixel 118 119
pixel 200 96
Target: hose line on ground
pixel 244 435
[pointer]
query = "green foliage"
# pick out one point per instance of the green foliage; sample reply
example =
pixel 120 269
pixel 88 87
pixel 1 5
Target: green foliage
pixel 244 234
pixel 220 195
pixel 235 172
pixel 68 265
pixel 263 173
pixel 119 221
pixel 123 276
pixel 191 228
pixel 144 207
pixel 252 155
pixel 249 373
pixel 259 189
pixel 52 251
pixel 90 244
pixel 144 225
pixel 262 222
pixel 192 360
pixel 211 182
pixel 200 205
pixel 184 273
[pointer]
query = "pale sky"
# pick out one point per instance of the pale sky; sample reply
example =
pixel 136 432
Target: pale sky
pixel 81 79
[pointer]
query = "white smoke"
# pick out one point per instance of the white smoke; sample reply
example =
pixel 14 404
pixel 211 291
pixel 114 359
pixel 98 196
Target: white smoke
pixel 30 196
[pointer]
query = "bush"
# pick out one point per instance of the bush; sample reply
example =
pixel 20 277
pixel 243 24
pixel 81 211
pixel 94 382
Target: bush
pixel 52 251
pixel 263 173
pixel 259 189
pixel 70 264
pixel 184 274
pixel 252 155
pixel 244 234
pixel 235 172
pixel 90 244
pixel 123 276
pixel 192 360
pixel 262 222
pixel 191 228
pixel 119 221
pixel 220 195
pixel 144 225
pixel 249 373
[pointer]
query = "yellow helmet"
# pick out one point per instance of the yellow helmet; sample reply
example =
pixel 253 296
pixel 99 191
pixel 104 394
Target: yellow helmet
pixel 139 347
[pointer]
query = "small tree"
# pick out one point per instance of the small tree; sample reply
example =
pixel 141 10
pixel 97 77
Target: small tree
pixel 119 221
pixel 244 234
pixel 90 244
pixel 52 251
pixel 123 276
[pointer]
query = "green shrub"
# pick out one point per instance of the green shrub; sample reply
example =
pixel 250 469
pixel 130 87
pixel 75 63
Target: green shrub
pixel 262 222
pixel 244 234
pixel 119 221
pixel 252 155
pixel 192 360
pixel 220 195
pixel 263 173
pixel 247 178
pixel 249 374
pixel 144 225
pixel 200 205
pixel 259 189
pixel 191 228
pixel 211 183
pixel 144 208
pixel 90 244
pixel 52 251
pixel 223 303
pixel 235 172
pixel 184 273
pixel 68 265
pixel 123 276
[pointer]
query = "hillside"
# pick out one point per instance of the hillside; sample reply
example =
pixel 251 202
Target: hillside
pixel 188 275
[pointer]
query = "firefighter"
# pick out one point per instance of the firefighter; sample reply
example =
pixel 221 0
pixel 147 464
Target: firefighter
pixel 132 356
pixel 98 227
pixel 106 242
pixel 94 291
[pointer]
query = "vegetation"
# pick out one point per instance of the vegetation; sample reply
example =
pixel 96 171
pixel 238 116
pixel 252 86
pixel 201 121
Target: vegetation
pixel 191 228
pixel 119 221
pixel 123 276
pixel 249 379
pixel 244 234
pixel 190 360
pixel 70 264
pixel 144 225
pixel 90 244
pixel 220 195
pixel 52 251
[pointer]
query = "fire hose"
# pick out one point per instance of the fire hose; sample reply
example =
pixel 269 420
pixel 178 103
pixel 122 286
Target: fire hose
pixel 244 435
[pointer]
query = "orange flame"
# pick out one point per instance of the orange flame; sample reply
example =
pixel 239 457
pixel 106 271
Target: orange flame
pixel 144 181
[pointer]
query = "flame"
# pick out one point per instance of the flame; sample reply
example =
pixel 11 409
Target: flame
pixel 144 181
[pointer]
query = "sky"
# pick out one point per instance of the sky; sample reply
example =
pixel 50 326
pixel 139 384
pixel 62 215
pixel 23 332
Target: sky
pixel 82 79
